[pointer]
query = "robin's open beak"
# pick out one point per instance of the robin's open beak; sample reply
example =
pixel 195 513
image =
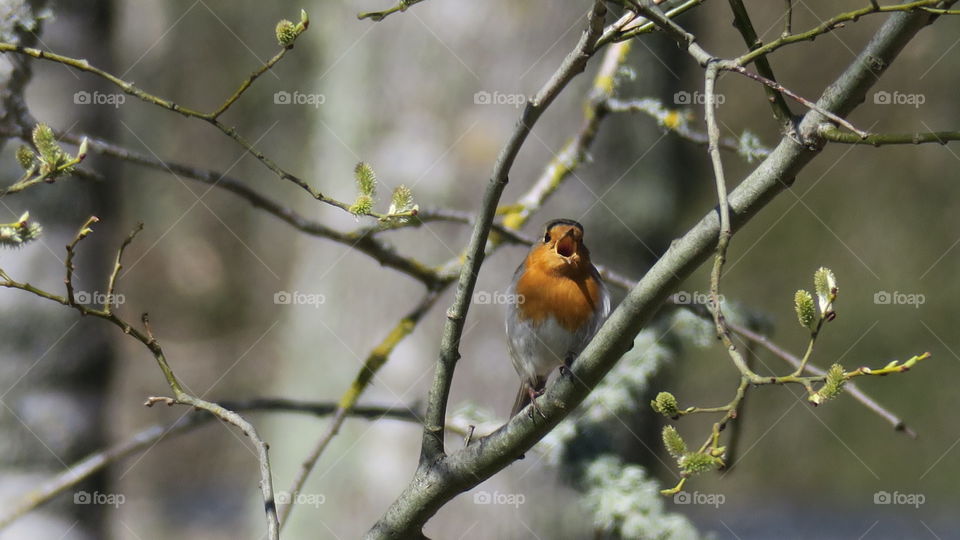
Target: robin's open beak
pixel 566 246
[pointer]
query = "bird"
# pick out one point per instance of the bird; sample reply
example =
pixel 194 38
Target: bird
pixel 557 302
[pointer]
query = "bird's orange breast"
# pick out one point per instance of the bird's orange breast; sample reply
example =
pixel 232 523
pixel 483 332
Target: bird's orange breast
pixel 571 298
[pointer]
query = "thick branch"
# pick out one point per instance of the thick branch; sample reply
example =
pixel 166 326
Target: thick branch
pixel 572 65
pixel 437 482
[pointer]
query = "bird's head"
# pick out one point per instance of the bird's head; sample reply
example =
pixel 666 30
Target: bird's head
pixel 560 248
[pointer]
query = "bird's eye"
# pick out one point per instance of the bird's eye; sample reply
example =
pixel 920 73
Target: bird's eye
pixel 546 237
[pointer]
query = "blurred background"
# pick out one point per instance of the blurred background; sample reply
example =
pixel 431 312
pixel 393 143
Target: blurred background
pixel 400 95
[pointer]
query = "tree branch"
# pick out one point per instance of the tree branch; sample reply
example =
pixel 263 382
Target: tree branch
pixel 741 20
pixel 441 479
pixel 147 438
pixel 147 338
pixel 572 65
pixel 377 16
pixel 375 360
pixel 883 139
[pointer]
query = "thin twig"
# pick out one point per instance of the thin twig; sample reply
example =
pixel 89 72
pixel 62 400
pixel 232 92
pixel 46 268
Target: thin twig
pixel 377 16
pixel 788 19
pixel 147 338
pixel 375 360
pixel 741 20
pixel 360 240
pixel 71 250
pixel 212 117
pixel 850 388
pixel 796 97
pixel 147 438
pixel 109 303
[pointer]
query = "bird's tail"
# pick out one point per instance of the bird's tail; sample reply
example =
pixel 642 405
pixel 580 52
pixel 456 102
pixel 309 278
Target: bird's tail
pixel 523 395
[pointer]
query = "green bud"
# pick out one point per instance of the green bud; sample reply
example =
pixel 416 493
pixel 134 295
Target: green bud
pixel 402 200
pixel 696 463
pixel 825 284
pixel 673 442
pixel 836 378
pixel 286 33
pixel 83 149
pixel 666 405
pixel 362 206
pixel 806 311
pixel 19 233
pixel 366 179
pixel 26 157
pixel 46 143
pixel 52 157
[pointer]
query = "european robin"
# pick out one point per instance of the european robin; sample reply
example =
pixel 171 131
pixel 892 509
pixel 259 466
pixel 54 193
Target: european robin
pixel 557 303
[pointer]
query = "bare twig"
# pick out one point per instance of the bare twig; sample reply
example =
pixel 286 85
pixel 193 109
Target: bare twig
pixel 741 20
pixel 71 250
pixel 377 16
pixel 117 266
pixel 796 97
pixel 361 240
pixel 376 360
pixel 147 438
pixel 147 338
